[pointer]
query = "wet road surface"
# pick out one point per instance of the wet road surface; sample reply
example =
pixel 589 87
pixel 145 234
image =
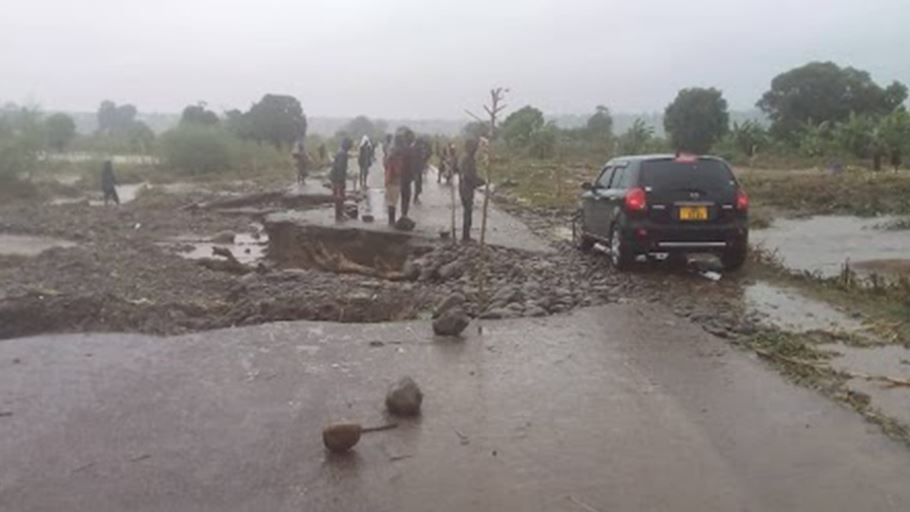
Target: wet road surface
pixel 623 407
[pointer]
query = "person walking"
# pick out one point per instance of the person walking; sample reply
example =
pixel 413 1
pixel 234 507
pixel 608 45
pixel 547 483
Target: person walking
pixel 409 170
pixel 302 160
pixel 339 177
pixel 468 182
pixel 395 163
pixel 109 183
pixel 365 160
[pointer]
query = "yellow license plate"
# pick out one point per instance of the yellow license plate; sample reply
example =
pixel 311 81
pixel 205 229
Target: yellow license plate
pixel 693 213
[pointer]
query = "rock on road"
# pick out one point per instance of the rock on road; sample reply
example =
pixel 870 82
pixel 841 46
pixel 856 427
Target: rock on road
pixel 622 407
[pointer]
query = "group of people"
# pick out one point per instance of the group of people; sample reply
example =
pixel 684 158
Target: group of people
pixel 406 160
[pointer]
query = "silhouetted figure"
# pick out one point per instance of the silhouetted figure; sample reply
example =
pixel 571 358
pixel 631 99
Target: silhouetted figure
pixel 395 163
pixel 339 177
pixel 365 160
pixel 410 169
pixel 468 183
pixel 302 161
pixel 422 153
pixel 109 183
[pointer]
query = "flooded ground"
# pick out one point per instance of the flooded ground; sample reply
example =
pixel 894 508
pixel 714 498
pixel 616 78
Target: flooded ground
pixel 247 248
pixel 823 244
pixel 790 310
pixel 27 245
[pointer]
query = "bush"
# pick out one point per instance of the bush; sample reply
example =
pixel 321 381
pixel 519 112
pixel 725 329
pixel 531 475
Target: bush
pixel 200 150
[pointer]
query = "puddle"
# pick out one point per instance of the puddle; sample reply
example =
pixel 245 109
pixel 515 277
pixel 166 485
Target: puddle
pixel 247 248
pixel 822 243
pixel 883 361
pixel 788 309
pixel 27 245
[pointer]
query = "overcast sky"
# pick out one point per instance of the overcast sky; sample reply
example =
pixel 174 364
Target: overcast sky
pixel 431 58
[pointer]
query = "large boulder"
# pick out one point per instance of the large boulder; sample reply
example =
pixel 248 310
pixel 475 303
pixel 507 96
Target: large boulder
pixel 404 398
pixel 452 322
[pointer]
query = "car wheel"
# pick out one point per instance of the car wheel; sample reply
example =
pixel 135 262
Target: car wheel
pixel 734 258
pixel 620 255
pixel 582 241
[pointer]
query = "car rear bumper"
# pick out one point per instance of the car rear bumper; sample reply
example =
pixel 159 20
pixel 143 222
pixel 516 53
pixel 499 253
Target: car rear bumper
pixel 649 237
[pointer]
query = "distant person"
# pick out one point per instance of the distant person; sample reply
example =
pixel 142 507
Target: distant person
pixel 365 160
pixel 339 177
pixel 423 151
pixel 409 170
pixel 302 161
pixel 469 181
pixel 395 163
pixel 322 154
pixel 109 183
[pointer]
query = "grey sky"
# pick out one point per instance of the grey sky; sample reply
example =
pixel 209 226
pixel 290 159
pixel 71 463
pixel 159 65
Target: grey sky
pixel 422 59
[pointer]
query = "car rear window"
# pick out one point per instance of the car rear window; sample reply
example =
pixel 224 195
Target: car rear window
pixel 705 175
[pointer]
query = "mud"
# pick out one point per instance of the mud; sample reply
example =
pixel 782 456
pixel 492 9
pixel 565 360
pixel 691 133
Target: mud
pixel 878 361
pixel 27 245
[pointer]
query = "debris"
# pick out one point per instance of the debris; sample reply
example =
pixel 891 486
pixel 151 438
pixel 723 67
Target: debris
pixel 140 457
pixel 452 322
pixel 396 458
pixel 463 439
pixel 404 398
pixel 5 414
pixel 341 437
pixel 367 217
pixel 710 275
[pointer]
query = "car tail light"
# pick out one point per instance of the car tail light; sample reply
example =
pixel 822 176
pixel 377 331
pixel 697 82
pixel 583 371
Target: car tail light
pixel 742 201
pixel 635 200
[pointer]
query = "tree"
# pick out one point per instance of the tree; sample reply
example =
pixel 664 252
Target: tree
pixel 59 131
pixel 696 119
pixel 516 130
pixel 277 120
pixel 140 136
pixel 115 120
pixel 600 125
pixel 199 114
pixel 20 141
pixel 362 125
pixel 823 91
pixel 476 129
pixel 748 137
pixel 895 133
pixel 543 141
pixel 636 139
pixel 861 136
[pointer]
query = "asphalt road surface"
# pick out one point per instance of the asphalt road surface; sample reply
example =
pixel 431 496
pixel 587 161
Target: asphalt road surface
pixel 616 408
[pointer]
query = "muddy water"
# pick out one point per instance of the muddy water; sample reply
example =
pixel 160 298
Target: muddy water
pixel 27 245
pixel 788 309
pixel 823 243
pixel 248 248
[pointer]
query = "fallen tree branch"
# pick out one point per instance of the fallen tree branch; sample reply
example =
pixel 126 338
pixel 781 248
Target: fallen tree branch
pixel 887 382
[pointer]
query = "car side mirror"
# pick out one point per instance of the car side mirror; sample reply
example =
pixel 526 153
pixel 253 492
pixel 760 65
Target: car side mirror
pixel 587 186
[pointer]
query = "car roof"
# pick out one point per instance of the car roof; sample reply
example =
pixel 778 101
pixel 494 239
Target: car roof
pixel 656 156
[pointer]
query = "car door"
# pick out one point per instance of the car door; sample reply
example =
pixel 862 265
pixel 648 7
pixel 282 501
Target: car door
pixel 613 197
pixel 594 202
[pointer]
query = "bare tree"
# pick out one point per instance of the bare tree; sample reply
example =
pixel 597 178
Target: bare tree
pixel 493 109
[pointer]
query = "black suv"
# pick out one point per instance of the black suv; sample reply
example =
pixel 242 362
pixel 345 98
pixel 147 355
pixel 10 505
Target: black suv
pixel 665 204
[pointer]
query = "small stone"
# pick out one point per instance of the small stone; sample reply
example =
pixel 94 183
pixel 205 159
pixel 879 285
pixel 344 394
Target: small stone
pixel 404 398
pixel 493 314
pixel 411 270
pixel 451 322
pixel 535 311
pixel 367 218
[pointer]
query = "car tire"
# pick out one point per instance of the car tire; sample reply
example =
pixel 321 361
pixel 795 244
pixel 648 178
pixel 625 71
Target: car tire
pixel 582 241
pixel 734 258
pixel 620 255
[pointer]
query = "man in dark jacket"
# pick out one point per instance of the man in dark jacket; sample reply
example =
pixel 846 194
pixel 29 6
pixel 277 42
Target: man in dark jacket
pixel 339 177
pixel 410 168
pixel 365 160
pixel 108 183
pixel 469 181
